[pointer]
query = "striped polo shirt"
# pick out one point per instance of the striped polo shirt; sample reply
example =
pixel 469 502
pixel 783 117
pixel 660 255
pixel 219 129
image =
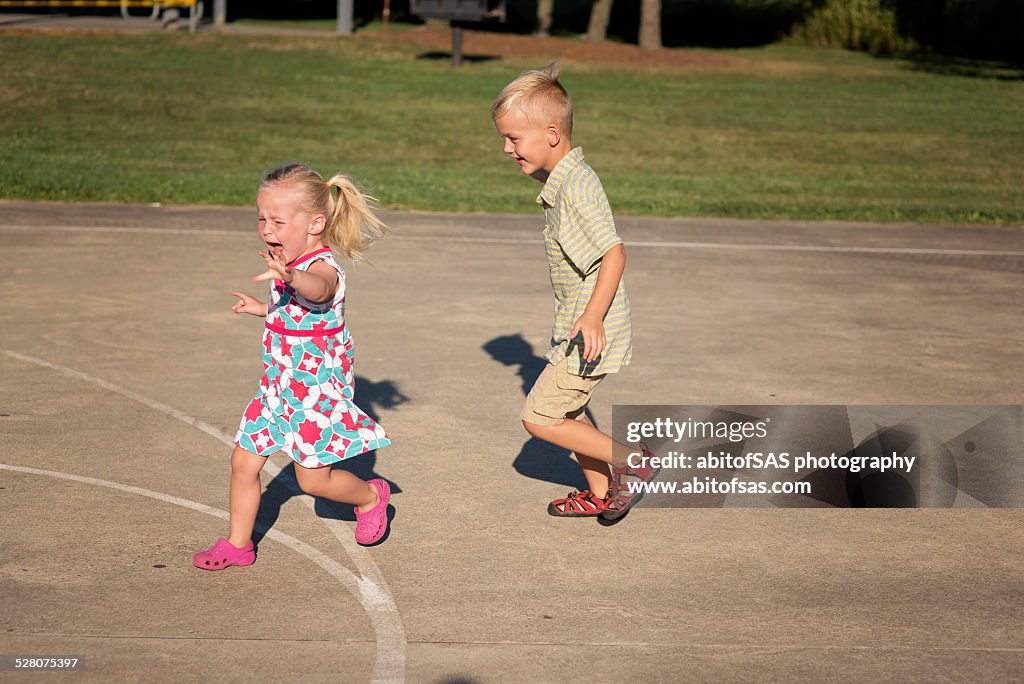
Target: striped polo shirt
pixel 578 231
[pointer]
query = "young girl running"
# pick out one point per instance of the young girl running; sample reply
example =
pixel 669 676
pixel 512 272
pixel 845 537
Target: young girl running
pixel 304 404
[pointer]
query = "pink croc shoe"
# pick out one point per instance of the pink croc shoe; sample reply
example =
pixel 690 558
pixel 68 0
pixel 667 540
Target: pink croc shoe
pixel 371 525
pixel 224 554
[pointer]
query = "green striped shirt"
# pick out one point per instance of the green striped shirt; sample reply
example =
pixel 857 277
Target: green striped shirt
pixel 578 231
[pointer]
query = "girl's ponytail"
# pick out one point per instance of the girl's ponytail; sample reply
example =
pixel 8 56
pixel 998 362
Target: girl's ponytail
pixel 352 223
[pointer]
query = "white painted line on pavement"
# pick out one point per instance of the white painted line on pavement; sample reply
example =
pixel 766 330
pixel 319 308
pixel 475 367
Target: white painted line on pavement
pixel 369 588
pixel 733 645
pixel 741 247
pixel 735 246
pixel 331 566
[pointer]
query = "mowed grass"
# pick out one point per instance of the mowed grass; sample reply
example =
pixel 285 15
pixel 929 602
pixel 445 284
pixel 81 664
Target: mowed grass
pixel 781 132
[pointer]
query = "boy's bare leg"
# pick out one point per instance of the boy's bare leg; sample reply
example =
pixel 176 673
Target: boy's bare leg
pixel 592 448
pixel 596 472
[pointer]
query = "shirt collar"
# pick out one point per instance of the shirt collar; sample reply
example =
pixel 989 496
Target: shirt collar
pixel 554 182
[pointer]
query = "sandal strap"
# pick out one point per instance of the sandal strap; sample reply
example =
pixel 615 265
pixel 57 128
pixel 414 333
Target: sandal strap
pixel 580 502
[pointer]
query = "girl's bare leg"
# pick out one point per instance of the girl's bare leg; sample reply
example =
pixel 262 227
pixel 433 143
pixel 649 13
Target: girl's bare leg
pixel 245 494
pixel 337 485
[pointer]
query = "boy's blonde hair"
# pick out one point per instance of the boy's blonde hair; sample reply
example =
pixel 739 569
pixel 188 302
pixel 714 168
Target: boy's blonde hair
pixel 540 91
pixel 352 225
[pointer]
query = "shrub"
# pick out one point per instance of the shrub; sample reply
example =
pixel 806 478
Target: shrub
pixel 867 25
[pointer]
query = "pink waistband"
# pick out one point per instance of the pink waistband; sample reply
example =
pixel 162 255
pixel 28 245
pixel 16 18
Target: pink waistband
pixel 323 332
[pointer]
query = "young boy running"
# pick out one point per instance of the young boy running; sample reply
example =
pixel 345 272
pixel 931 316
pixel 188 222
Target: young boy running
pixel 592 334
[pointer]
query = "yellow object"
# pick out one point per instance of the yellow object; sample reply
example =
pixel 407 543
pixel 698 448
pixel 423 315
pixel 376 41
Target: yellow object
pixel 96 3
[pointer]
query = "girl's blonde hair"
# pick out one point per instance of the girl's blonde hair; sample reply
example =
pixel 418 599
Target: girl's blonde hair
pixel 537 91
pixel 352 224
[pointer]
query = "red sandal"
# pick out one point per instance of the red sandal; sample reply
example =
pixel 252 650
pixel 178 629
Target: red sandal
pixel 621 497
pixel 577 505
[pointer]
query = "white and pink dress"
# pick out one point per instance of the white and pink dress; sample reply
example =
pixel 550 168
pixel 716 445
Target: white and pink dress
pixel 304 404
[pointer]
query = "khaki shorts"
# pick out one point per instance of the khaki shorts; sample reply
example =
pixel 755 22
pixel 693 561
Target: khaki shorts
pixel 558 394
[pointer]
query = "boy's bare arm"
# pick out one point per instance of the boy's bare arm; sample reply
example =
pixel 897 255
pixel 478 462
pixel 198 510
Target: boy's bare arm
pixel 591 322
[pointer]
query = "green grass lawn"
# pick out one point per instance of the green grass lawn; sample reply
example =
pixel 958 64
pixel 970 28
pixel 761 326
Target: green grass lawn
pixel 322 25
pixel 784 133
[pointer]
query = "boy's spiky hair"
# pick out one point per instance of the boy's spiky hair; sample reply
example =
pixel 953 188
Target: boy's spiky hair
pixel 537 92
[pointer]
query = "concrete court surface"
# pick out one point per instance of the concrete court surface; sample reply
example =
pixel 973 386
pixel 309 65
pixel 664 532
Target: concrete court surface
pixel 124 374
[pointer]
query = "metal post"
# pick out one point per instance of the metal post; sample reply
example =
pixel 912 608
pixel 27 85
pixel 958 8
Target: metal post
pixel 220 12
pixel 345 12
pixel 456 45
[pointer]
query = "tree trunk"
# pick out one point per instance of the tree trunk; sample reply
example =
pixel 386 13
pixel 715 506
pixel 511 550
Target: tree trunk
pixel 650 24
pixel 544 10
pixel 600 13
